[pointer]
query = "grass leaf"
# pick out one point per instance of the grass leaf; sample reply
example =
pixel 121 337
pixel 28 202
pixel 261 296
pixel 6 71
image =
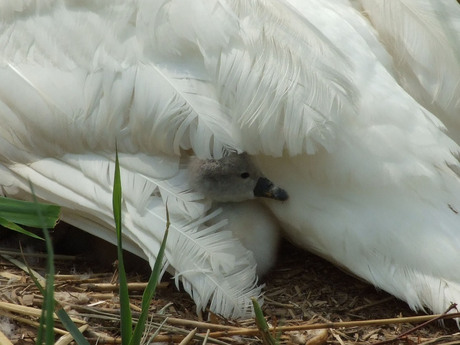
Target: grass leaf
pixel 46 331
pixel 26 213
pixel 71 327
pixel 47 321
pixel 149 291
pixel 262 325
pixel 125 312
pixel 12 226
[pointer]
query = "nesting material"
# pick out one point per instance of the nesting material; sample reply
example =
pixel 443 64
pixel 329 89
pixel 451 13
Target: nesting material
pixel 302 290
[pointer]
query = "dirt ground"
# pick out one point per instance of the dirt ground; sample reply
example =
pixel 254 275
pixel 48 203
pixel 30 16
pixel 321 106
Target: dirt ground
pixel 301 290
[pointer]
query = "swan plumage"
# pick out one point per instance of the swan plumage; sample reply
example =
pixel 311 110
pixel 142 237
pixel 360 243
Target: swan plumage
pixel 319 94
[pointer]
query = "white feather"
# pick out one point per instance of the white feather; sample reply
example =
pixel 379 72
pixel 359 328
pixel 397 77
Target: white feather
pixel 423 37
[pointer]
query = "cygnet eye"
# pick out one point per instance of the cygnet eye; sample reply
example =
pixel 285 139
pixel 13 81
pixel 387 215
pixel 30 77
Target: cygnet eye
pixel 244 175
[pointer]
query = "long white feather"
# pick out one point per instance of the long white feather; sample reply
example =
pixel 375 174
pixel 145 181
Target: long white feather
pixel 423 37
pixel 293 106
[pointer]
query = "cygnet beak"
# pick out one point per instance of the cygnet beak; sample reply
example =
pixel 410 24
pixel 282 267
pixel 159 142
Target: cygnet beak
pixel 266 189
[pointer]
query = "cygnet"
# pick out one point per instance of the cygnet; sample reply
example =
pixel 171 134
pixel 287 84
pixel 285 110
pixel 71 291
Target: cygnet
pixel 232 182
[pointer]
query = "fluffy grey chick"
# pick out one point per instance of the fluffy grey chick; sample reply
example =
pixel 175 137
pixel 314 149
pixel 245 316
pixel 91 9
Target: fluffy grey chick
pixel 232 182
pixel 232 179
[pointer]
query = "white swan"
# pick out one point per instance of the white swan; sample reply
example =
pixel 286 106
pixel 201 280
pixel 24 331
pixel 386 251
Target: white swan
pixel 306 87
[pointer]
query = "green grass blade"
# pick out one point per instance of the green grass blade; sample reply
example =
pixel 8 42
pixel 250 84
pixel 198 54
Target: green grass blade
pixel 125 312
pixel 262 325
pixel 46 321
pixel 12 226
pixel 49 304
pixel 71 327
pixel 34 278
pixel 61 313
pixel 45 331
pixel 25 213
pixel 149 292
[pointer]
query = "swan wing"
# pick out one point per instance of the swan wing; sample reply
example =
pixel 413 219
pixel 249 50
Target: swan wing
pixel 384 202
pixel 65 106
pixel 211 265
pixel 424 39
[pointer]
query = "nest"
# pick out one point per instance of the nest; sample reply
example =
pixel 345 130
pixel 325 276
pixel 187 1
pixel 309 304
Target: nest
pixel 302 292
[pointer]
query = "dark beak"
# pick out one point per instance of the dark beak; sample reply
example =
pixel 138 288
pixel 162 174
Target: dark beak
pixel 266 189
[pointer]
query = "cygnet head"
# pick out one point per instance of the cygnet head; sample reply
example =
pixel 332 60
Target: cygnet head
pixel 232 179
